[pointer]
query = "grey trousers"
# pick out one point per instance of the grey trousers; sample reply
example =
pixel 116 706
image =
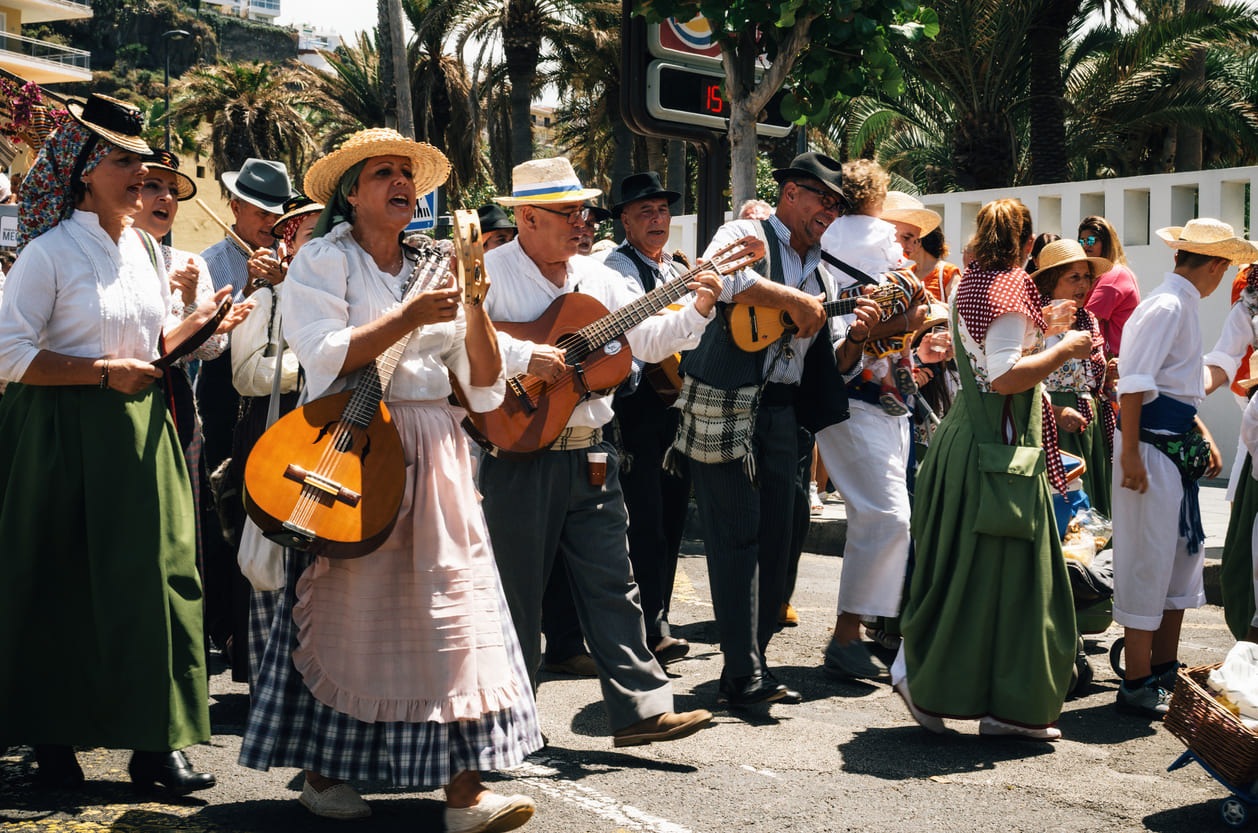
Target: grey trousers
pixel 747 537
pixel 542 505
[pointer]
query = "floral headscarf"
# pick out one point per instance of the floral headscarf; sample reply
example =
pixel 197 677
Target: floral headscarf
pixel 47 195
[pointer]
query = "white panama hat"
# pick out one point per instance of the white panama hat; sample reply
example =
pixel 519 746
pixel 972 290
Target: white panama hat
pixel 546 180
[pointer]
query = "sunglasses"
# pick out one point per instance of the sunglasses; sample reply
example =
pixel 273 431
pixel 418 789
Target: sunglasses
pixel 1090 240
pixel 828 201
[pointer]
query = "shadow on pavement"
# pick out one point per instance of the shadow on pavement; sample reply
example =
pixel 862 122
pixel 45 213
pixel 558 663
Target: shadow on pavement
pixel 1204 816
pixel 909 752
pixel 1102 724
pixel 271 816
pixel 575 764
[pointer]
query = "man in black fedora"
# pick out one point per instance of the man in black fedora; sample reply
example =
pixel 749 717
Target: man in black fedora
pixel 742 413
pixel 656 499
pixel 496 227
pixel 258 191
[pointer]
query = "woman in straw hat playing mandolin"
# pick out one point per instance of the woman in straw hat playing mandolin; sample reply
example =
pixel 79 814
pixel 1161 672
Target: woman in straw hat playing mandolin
pixel 442 693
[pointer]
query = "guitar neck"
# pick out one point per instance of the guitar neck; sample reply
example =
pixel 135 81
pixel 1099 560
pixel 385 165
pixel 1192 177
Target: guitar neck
pixel 843 306
pixel 615 324
pixel 375 378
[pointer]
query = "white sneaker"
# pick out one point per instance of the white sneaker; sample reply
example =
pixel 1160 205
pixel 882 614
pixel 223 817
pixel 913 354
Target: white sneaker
pixel 929 722
pixel 992 727
pixel 337 802
pixel 494 814
pixel 814 500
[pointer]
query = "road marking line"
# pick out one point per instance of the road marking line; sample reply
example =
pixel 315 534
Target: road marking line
pixel 548 780
pixel 763 772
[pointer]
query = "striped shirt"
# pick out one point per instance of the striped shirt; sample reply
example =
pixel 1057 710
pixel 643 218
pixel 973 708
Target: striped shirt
pixel 228 265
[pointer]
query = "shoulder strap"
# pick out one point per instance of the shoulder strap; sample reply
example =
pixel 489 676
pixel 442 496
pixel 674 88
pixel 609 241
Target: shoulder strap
pixel 765 266
pixel 861 277
pixel 150 246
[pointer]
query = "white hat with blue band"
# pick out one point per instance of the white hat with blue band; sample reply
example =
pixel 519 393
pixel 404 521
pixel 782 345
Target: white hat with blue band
pixel 546 180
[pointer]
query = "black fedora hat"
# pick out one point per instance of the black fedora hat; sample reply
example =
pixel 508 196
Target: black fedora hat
pixel 493 218
pixel 641 187
pixel 164 160
pixel 816 166
pixel 598 214
pixel 114 121
pixel 262 183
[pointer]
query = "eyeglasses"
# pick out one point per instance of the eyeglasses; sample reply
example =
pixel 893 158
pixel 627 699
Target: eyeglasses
pixel 576 215
pixel 1090 240
pixel 829 202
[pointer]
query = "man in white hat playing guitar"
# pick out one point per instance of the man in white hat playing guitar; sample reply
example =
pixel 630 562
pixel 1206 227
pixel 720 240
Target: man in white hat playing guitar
pixel 561 497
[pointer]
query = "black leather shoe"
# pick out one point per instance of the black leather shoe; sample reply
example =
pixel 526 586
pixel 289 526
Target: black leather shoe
pixel 750 691
pixel 790 696
pixel 170 769
pixel 58 768
pixel 670 649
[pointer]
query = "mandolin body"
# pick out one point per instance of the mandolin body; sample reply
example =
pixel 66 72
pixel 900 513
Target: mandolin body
pixel 343 496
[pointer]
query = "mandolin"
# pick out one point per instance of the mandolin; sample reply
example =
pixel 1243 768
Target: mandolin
pixel 534 413
pixel 329 476
pixel 755 328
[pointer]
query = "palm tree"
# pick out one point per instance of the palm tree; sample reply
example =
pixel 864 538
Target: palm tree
pixel 254 110
pixel 354 86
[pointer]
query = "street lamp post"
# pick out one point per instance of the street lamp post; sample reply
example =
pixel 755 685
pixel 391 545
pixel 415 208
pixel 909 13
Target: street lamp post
pixel 167 37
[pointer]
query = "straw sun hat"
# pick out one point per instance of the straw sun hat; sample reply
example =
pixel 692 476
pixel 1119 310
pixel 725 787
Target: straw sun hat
pixel 904 208
pixel 164 160
pixel 430 166
pixel 546 180
pixel 117 122
pixel 1210 237
pixel 1061 252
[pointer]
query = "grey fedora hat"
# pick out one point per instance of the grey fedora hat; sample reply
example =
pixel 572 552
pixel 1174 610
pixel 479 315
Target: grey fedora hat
pixel 262 183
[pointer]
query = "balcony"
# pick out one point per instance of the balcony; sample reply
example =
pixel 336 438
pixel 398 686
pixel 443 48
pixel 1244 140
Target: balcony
pixel 40 11
pixel 43 62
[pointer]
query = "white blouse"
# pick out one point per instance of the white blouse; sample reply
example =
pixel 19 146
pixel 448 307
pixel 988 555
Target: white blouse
pixel 74 291
pixel 333 286
pixel 1009 337
pixel 1151 363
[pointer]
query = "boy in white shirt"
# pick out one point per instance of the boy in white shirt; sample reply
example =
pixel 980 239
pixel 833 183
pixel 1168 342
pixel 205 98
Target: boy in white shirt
pixel 1158 538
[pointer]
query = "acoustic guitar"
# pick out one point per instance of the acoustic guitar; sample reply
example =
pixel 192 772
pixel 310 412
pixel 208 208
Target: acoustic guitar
pixel 534 413
pixel 755 328
pixel 329 476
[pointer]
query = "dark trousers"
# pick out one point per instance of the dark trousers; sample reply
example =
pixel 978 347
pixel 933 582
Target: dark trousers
pixel 747 535
pixel 803 513
pixel 657 502
pixel 560 624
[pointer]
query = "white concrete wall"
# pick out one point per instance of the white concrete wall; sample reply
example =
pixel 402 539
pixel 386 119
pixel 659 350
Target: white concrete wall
pixel 1137 207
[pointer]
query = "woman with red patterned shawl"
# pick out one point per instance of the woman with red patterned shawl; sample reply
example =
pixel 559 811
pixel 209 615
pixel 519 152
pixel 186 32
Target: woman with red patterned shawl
pixel 989 626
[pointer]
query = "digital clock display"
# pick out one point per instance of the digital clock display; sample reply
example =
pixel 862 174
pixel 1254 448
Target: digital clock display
pixel 694 95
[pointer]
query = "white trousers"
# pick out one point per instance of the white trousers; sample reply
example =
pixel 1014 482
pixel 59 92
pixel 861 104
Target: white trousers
pixel 867 457
pixel 1153 571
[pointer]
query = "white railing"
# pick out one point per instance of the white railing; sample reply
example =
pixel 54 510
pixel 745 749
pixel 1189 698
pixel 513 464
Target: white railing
pixel 45 51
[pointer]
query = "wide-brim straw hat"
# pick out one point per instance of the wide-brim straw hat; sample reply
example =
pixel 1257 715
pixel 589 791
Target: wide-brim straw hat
pixel 117 122
pixel 546 180
pixel 295 206
pixel 1210 237
pixel 429 166
pixel 1061 252
pixel 905 208
pixel 164 160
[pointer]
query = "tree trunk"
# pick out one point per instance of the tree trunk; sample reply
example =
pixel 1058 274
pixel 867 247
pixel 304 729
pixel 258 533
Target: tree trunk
pixel 401 73
pixel 1188 139
pixel 1047 93
pixel 742 156
pixel 384 46
pixel 521 48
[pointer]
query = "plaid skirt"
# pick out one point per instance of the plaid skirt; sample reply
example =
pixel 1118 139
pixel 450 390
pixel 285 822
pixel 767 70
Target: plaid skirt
pixel 288 727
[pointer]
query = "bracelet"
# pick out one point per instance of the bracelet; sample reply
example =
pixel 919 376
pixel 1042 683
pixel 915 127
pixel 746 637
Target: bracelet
pixel 188 309
pixel 104 375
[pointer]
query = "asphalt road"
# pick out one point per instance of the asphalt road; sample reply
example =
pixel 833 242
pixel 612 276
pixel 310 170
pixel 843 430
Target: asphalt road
pixel 848 758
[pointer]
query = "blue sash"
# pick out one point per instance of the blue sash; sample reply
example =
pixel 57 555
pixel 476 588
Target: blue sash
pixel 1167 414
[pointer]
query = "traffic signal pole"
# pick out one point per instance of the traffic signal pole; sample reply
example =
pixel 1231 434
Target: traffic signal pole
pixel 713 146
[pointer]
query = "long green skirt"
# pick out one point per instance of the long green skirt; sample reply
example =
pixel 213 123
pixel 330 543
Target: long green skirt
pixel 1091 446
pixel 989 623
pixel 1236 573
pixel 101 635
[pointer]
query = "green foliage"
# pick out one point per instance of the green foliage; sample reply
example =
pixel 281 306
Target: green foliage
pixel 846 53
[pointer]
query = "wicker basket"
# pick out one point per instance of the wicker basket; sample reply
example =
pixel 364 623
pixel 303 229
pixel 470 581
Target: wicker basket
pixel 1210 730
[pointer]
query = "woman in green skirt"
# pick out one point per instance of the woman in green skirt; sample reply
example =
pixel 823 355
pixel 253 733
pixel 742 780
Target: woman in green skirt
pixel 1085 420
pixel 989 626
pixel 101 639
